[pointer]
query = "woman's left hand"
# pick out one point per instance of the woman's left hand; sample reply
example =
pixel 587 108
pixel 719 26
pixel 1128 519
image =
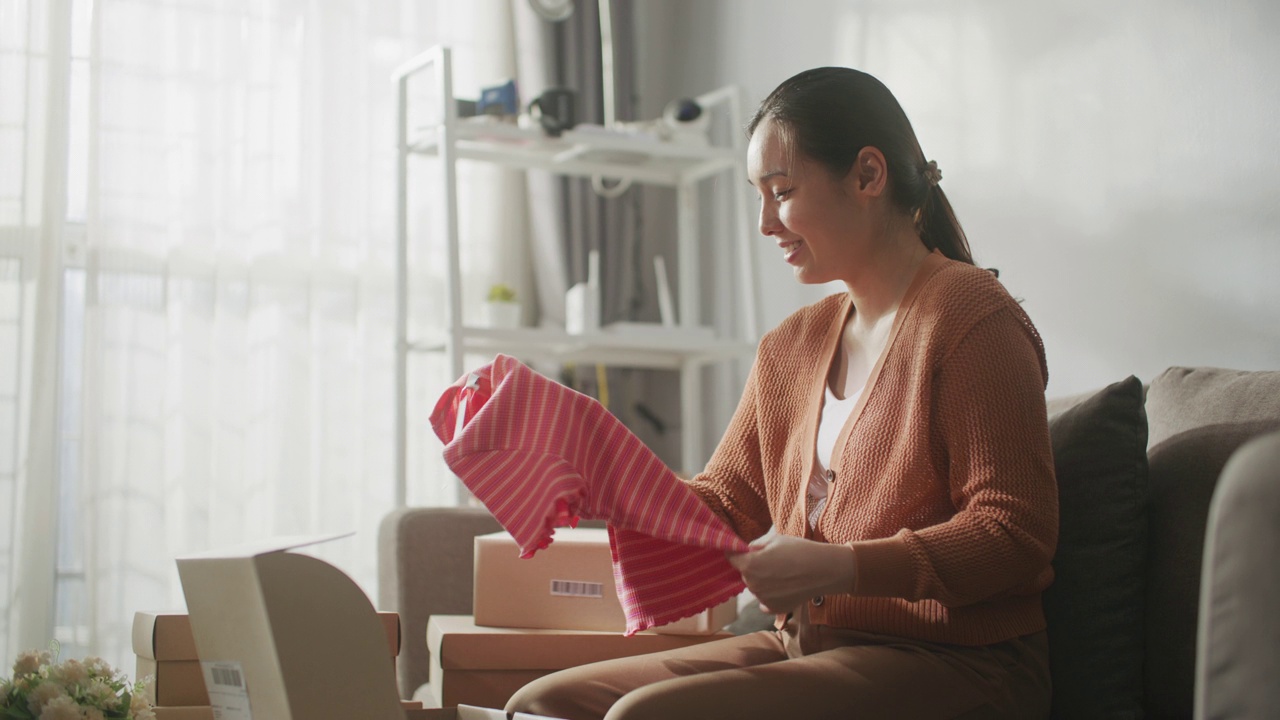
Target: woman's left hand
pixel 784 572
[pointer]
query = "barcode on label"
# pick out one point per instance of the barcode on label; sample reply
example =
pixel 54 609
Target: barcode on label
pixel 574 588
pixel 229 677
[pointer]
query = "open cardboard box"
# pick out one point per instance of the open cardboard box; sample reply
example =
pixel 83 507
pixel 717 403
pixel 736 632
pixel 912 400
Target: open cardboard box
pixel 284 636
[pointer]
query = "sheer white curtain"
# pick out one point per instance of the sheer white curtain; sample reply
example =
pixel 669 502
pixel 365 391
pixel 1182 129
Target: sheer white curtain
pixel 227 314
pixel 34 54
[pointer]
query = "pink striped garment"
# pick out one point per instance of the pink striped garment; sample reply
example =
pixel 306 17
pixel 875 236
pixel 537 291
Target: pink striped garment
pixel 540 455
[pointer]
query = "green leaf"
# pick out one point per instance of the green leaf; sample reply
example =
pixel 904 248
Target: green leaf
pixel 18 712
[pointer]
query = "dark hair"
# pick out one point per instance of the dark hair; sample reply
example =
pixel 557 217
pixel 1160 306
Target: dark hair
pixel 830 114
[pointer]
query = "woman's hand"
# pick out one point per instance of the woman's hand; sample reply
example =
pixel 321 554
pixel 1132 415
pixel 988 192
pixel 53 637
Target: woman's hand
pixel 783 571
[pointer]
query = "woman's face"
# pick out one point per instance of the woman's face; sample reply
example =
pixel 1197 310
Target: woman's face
pixel 812 215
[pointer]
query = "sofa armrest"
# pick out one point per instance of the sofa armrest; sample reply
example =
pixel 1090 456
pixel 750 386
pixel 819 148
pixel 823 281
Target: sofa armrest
pixel 425 568
pixel 1238 648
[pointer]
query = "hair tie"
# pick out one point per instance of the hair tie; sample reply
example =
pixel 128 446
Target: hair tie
pixel 932 174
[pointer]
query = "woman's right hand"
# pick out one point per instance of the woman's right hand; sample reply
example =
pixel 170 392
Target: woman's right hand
pixel 784 572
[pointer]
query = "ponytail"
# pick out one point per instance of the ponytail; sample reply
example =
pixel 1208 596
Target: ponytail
pixel 939 229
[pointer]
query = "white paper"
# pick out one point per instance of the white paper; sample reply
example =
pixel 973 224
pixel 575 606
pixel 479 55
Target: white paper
pixel 469 712
pixel 228 691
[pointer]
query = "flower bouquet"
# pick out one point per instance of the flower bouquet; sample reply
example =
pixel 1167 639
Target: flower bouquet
pixel 42 689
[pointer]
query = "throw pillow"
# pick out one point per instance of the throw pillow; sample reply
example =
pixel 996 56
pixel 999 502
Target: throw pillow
pixel 1094 608
pixel 1199 417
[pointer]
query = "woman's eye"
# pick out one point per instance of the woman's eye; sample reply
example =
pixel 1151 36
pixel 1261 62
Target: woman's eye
pixel 781 194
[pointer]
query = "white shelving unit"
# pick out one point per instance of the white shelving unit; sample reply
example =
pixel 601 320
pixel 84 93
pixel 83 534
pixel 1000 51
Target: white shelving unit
pixel 688 347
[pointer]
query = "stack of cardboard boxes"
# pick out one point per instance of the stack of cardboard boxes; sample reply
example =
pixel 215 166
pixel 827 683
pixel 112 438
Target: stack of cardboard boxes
pixel 166 652
pixel 556 610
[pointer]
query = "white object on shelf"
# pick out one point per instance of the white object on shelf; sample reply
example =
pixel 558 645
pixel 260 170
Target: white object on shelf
pixel 666 306
pixel 581 310
pixel 502 315
pixel 582 302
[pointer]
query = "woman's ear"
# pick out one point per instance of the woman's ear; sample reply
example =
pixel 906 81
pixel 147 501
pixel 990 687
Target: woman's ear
pixel 870 172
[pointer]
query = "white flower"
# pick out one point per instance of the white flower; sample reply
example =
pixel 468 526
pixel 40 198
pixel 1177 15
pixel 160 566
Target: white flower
pixel 63 708
pixel 98 667
pixel 22 686
pixel 29 663
pixel 140 708
pixel 72 674
pixel 101 695
pixel 45 694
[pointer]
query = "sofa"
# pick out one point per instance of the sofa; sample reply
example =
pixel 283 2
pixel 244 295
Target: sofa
pixel 1137 465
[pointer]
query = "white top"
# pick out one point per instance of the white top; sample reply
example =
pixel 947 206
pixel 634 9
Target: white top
pixel 835 413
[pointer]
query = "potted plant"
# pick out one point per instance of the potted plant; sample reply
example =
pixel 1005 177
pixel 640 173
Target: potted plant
pixel 502 310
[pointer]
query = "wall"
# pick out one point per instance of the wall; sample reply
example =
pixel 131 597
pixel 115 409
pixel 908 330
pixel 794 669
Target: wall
pixel 1117 161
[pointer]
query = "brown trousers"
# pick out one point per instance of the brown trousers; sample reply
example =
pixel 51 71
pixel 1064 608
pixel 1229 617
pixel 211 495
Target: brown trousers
pixel 804 671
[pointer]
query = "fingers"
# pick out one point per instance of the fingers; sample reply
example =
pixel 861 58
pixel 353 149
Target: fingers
pixel 739 560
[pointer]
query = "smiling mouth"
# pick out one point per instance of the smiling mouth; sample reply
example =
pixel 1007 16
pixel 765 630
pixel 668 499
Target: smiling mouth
pixel 788 248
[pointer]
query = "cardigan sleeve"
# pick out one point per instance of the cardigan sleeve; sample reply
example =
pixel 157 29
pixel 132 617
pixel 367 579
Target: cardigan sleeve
pixel 989 417
pixel 732 484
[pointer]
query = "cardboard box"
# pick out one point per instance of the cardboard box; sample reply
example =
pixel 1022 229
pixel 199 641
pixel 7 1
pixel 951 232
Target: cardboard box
pixel 177 682
pixel 183 713
pixel 287 636
pixel 567 586
pixel 167 635
pixel 163 636
pixel 484 666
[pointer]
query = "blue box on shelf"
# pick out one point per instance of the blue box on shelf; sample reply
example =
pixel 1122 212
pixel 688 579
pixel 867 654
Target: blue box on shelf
pixel 499 100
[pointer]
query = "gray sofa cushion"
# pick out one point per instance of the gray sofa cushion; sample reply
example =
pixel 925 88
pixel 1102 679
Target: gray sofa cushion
pixel 1198 418
pixel 1094 607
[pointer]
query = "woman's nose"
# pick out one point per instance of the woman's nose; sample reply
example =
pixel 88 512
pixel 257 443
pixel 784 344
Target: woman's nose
pixel 769 223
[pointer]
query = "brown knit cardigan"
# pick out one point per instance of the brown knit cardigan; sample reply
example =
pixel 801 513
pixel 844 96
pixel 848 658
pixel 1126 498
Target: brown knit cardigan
pixel 944 484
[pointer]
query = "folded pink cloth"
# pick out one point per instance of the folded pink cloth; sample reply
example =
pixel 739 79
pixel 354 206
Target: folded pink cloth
pixel 540 455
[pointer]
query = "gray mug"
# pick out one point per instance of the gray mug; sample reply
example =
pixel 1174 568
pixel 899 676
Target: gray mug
pixel 555 110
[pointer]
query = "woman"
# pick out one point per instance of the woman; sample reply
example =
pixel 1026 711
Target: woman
pixel 894 436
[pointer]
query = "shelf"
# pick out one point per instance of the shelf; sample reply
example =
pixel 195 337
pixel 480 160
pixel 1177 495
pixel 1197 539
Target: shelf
pixel 668 349
pixel 624 153
pixel 580 153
